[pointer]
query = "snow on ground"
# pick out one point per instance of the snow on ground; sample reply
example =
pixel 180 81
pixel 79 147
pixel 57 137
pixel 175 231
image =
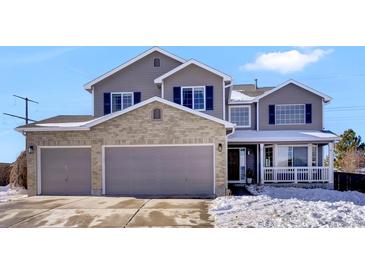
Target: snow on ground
pixel 10 194
pixel 291 207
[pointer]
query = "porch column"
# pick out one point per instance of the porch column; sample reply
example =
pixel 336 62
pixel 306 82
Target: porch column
pixel 257 164
pixel 261 164
pixel 310 148
pixel 330 164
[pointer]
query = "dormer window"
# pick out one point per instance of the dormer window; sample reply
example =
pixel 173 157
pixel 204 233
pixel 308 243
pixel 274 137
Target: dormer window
pixel 156 62
pixel 157 114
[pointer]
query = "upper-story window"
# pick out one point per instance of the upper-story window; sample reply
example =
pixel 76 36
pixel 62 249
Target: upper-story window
pixel 290 114
pixel 240 115
pixel 157 62
pixel 193 97
pixel 121 100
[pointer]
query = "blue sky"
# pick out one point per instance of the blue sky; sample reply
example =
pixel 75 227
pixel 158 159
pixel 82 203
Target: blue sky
pixel 54 76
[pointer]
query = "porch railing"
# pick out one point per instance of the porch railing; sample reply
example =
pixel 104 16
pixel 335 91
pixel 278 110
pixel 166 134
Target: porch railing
pixel 296 174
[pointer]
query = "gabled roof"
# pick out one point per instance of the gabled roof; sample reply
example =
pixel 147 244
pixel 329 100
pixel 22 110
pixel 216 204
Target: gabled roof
pixel 194 62
pixel 89 85
pixel 325 97
pixel 86 125
pixel 163 101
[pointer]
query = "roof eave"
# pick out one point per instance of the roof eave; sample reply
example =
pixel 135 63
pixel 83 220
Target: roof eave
pixel 48 129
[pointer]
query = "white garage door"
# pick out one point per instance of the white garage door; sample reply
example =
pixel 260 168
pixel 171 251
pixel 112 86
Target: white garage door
pixel 159 170
pixel 65 171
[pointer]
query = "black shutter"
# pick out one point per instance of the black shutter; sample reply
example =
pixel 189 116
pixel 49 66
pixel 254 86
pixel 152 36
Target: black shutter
pixel 272 114
pixel 187 100
pixel 308 113
pixel 177 95
pixel 209 98
pixel 107 106
pixel 136 97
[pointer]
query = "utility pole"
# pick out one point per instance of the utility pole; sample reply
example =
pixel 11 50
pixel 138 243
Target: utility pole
pixel 26 118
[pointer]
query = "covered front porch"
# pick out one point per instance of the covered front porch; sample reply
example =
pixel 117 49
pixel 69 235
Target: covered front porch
pixel 281 159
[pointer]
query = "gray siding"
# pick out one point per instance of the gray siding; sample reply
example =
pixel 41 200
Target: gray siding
pixel 139 76
pixel 253 115
pixel 195 76
pixel 291 94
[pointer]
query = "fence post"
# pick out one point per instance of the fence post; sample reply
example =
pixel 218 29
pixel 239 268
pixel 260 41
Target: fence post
pixel 295 175
pixel 331 159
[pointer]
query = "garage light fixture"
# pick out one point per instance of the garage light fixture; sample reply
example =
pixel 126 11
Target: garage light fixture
pixel 30 149
pixel 220 147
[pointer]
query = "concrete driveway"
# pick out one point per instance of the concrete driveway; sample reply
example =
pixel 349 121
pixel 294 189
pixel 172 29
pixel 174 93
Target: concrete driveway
pixel 70 211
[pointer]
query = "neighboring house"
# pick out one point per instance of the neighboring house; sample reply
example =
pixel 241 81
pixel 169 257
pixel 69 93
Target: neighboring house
pixel 166 126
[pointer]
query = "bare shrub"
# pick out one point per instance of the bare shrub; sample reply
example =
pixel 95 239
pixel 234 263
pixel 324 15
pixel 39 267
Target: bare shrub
pixel 352 160
pixel 18 173
pixel 4 174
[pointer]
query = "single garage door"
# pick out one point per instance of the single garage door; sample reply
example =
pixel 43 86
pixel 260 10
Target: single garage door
pixel 159 170
pixel 65 171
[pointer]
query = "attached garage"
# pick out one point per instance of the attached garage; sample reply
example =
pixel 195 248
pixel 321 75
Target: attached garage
pixel 64 171
pixel 161 170
pixel 129 153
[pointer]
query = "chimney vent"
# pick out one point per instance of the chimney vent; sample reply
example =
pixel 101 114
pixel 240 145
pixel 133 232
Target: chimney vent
pixel 256 83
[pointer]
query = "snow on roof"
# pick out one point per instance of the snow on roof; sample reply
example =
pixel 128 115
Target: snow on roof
pixel 237 95
pixel 76 124
pixel 253 136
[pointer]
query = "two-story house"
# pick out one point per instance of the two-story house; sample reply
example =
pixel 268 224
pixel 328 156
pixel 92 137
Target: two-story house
pixel 165 126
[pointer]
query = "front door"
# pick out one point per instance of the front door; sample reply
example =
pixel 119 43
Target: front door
pixel 237 164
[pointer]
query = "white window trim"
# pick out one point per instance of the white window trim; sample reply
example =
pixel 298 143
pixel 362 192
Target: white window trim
pixel 194 87
pixel 289 124
pixel 249 115
pixel 120 93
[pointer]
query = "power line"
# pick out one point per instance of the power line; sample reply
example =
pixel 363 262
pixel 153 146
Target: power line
pixel 345 107
pixel 26 118
pixel 341 110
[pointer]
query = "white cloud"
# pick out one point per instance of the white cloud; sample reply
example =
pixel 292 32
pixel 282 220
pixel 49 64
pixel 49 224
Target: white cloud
pixel 286 61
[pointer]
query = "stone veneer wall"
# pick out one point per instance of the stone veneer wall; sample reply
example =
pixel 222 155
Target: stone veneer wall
pixel 135 128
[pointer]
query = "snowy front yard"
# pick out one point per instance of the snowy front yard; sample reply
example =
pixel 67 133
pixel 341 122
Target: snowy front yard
pixel 10 194
pixel 291 207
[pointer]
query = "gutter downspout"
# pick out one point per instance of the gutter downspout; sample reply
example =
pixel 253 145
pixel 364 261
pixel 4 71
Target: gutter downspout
pixel 226 159
pixel 224 98
pixel 257 115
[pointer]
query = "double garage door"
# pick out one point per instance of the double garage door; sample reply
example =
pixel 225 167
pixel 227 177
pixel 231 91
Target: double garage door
pixel 131 170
